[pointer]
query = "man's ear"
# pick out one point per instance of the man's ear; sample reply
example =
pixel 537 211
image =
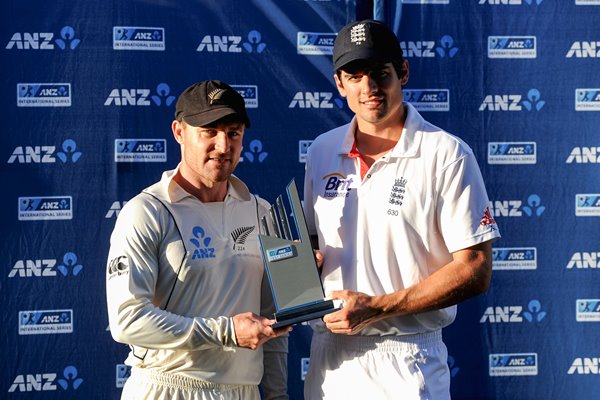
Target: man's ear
pixel 339 85
pixel 177 128
pixel 404 73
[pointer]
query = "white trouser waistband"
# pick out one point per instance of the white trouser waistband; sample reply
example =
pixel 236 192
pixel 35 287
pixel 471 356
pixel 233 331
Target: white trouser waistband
pixel 177 381
pixel 380 343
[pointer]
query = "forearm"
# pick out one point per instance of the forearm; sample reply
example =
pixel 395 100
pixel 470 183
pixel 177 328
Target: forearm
pixel 466 276
pixel 454 283
pixel 142 324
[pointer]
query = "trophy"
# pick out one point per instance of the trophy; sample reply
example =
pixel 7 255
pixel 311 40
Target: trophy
pixel 290 263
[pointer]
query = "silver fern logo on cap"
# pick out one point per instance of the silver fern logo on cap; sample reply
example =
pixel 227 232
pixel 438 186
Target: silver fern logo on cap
pixel 216 95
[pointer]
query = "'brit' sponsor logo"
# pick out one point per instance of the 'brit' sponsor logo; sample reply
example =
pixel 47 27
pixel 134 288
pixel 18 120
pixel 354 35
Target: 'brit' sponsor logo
pixel 513 364
pixel 514 258
pixel 587 205
pixel 45 208
pixel 337 185
pixel 43 95
pixel 587 2
pixel 584 260
pixel 138 38
pixel 249 93
pixel 513 102
pixel 140 150
pixel 584 50
pixel 587 99
pixel 512 153
pixel 428 99
pixel 584 155
pixel 315 43
pixel 512 47
pixel 45 322
pixel 588 310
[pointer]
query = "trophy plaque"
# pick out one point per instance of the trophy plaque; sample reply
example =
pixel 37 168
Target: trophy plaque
pixel 290 263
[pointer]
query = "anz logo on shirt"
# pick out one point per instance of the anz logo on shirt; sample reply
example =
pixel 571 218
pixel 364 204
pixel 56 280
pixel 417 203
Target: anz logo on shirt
pixel 201 241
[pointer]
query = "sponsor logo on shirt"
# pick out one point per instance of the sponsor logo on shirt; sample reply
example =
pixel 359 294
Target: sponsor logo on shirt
pixel 201 241
pixel 118 266
pixel 337 185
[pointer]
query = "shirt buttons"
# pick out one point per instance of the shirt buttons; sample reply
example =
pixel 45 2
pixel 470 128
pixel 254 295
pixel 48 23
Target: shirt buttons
pixel 368 176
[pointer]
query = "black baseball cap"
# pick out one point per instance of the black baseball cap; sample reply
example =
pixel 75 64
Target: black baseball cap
pixel 208 101
pixel 368 40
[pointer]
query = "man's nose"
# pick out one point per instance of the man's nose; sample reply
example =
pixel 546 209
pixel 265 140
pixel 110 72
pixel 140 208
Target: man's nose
pixel 222 142
pixel 369 85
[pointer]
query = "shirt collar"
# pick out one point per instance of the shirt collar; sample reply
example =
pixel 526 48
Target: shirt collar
pixel 408 144
pixel 235 188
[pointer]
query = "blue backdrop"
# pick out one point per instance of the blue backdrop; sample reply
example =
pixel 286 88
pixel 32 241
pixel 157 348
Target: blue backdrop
pixel 88 94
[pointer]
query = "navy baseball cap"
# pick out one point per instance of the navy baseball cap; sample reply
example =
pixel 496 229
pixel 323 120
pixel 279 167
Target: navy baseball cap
pixel 367 40
pixel 208 101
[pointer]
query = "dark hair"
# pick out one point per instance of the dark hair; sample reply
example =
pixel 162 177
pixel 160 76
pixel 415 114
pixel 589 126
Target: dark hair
pixel 362 64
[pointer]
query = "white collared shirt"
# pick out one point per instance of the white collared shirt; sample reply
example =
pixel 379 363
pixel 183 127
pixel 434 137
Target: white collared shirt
pixel 415 206
pixel 178 270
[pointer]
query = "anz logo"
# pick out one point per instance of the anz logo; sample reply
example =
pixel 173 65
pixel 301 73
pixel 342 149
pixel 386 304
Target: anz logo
pixel 47 267
pixel 232 43
pixel 45 154
pixel 201 242
pixel 44 40
pixel 44 382
pixel 513 102
pixel 515 208
pixel 315 100
pixel 510 314
pixel 140 97
pixel 429 49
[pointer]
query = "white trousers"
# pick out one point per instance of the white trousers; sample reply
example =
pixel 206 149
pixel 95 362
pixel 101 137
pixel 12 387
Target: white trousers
pixel 146 385
pixel 410 367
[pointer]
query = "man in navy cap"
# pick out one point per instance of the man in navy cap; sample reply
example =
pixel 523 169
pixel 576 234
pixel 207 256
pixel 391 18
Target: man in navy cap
pixel 185 282
pixel 401 215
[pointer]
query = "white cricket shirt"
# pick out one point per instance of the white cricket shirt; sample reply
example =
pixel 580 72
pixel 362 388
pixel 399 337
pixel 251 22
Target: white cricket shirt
pixel 178 269
pixel 416 205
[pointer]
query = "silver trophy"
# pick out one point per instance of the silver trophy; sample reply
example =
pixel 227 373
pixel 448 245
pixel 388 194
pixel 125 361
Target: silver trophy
pixel 290 263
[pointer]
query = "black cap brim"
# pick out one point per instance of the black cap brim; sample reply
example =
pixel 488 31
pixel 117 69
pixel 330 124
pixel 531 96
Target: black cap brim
pixel 213 115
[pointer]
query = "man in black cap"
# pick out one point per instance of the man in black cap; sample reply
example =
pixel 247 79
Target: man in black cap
pixel 401 215
pixel 185 279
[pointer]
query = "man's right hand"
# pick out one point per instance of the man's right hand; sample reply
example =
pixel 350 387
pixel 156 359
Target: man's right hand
pixel 252 330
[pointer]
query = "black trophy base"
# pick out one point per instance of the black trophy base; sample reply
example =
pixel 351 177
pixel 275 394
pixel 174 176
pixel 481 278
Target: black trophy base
pixel 304 313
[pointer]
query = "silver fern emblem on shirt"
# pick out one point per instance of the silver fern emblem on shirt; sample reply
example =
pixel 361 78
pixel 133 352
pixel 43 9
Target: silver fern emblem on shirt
pixel 240 235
